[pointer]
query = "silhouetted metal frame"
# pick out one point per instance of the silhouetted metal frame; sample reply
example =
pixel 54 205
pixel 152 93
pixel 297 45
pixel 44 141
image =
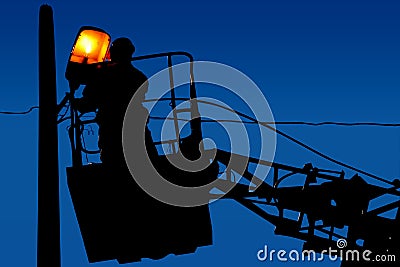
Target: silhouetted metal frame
pixel 286 226
pixel 195 122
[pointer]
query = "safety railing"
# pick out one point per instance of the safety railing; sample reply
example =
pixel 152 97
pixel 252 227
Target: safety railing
pixel 77 124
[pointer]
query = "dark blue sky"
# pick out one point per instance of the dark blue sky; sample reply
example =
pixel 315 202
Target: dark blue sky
pixel 314 60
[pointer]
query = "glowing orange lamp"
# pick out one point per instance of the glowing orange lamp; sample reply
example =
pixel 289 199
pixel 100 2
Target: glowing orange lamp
pixel 91 46
pixel 89 50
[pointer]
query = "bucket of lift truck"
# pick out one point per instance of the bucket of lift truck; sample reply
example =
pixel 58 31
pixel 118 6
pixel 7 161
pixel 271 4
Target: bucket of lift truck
pixel 118 220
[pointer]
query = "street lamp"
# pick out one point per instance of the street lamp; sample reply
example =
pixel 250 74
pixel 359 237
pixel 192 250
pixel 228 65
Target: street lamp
pixel 91 46
pixel 89 50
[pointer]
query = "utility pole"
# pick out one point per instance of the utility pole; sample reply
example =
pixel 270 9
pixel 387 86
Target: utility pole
pixel 48 246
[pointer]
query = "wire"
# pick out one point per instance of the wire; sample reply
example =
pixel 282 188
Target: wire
pixel 379 124
pixel 338 123
pixel 300 143
pixel 32 109
pixel 63 119
pixel 290 122
pixel 267 125
pixel 67 106
pixel 83 129
pixel 69 117
pixel 19 112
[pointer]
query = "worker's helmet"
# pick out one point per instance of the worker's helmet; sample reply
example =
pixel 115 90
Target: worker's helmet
pixel 121 49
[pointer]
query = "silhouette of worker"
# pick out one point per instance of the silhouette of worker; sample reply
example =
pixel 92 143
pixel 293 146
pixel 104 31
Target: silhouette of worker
pixel 109 92
pixel 117 218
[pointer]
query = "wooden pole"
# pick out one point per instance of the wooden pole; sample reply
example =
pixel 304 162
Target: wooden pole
pixel 48 246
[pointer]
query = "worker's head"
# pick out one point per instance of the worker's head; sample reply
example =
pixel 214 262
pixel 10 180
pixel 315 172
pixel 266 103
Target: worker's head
pixel 121 50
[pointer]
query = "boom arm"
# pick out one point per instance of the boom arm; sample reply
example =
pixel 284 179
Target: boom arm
pixel 327 199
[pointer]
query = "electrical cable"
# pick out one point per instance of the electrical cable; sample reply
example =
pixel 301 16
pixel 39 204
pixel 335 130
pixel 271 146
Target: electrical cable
pixel 67 106
pixel 19 112
pixel 84 143
pixel 338 123
pixel 307 147
pixel 349 124
pixel 267 125
pixel 379 124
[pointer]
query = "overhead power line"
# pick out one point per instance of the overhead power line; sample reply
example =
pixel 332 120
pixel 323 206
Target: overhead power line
pixel 268 125
pixel 19 112
pixel 333 123
pixel 338 123
pixel 349 124
pixel 294 140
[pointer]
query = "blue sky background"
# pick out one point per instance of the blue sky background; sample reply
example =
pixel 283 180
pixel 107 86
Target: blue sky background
pixel 314 60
